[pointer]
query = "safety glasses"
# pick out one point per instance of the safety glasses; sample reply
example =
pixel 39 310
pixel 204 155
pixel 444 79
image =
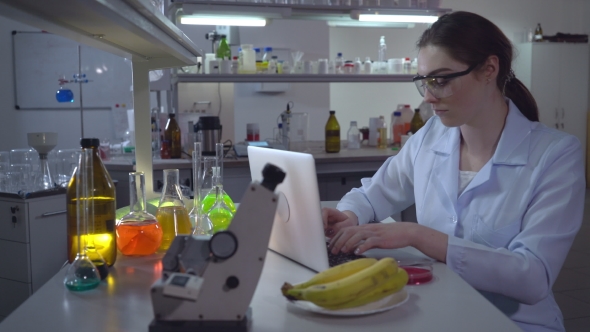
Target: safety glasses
pixel 440 86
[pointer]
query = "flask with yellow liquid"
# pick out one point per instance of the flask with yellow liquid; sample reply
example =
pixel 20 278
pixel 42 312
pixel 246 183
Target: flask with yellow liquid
pixel 172 214
pixel 102 199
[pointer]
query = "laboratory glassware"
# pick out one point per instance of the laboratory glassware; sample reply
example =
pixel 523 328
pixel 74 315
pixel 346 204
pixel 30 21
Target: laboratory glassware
pixel 332 134
pixel 172 137
pixel 138 232
pixel 417 121
pixel 201 225
pixel 382 141
pixel 172 214
pixel 82 274
pixel 103 198
pixel 220 215
pixel 43 143
pixel 217 181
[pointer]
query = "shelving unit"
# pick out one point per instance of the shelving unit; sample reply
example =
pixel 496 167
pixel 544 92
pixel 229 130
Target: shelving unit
pixel 289 78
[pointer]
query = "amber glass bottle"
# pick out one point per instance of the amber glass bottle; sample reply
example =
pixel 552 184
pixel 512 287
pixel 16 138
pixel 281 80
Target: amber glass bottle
pixel 332 134
pixel 416 122
pixel 172 136
pixel 103 199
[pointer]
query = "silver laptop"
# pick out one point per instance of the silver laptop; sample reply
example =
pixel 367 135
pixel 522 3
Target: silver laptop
pixel 298 231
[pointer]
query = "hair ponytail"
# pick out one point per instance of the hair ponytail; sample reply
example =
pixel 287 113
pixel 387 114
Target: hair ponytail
pixel 522 98
pixel 479 39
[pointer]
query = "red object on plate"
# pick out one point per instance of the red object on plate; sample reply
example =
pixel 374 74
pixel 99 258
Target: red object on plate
pixel 418 274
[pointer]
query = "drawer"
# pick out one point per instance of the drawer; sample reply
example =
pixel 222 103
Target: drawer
pixel 13 231
pixel 14 293
pixel 14 260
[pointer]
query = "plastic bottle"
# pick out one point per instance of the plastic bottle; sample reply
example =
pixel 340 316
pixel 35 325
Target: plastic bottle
pixel 248 60
pixel 367 65
pixel 339 64
pixel 267 54
pixel 414 66
pixel 357 66
pixel 353 136
pixel 397 128
pixel 417 122
pixel 103 211
pixel 172 136
pixel 258 53
pixel 382 49
pixel 382 140
pixel 407 115
pixel 223 51
pixel 272 65
pixel 407 66
pixel 332 134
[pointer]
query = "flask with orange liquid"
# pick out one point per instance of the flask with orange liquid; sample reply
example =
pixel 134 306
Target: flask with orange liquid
pixel 172 214
pixel 138 232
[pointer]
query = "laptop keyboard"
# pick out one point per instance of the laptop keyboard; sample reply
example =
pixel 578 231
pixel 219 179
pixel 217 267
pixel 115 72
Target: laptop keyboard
pixel 340 258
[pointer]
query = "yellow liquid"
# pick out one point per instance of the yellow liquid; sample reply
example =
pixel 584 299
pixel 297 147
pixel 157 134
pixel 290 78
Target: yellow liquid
pixel 104 229
pixel 174 221
pixel 382 144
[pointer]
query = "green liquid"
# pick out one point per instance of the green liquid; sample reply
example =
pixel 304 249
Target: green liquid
pixel 82 285
pixel 221 218
pixel 209 201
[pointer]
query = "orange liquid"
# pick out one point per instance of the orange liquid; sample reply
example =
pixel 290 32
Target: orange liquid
pixel 139 239
pixel 174 221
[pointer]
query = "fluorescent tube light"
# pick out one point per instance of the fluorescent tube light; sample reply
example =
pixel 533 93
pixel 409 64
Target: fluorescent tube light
pixel 397 18
pixel 224 20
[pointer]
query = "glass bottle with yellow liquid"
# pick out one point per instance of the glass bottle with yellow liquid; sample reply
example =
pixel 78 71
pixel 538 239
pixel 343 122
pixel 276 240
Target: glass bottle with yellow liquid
pixel 172 214
pixel 332 134
pixel 103 201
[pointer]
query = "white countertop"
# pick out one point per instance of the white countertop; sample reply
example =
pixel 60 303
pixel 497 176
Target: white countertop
pixel 122 303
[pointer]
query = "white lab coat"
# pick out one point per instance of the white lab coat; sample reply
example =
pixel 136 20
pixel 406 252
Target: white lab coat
pixel 511 228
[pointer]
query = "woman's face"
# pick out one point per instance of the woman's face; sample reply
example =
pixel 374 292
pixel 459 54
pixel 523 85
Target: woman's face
pixel 460 97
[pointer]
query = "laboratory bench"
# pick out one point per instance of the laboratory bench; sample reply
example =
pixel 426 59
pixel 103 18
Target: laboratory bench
pixel 337 173
pixel 122 303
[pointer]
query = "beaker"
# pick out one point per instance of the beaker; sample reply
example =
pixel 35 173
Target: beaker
pixel 172 214
pixel 298 131
pixel 201 225
pixel 138 232
pixel 82 273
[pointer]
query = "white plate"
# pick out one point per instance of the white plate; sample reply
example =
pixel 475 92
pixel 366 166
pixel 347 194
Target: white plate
pixel 386 303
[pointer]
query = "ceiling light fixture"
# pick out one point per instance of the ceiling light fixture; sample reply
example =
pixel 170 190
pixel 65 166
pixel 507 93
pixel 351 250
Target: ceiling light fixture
pixel 397 18
pixel 224 20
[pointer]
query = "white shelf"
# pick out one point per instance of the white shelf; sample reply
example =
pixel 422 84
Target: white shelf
pixel 133 29
pixel 290 78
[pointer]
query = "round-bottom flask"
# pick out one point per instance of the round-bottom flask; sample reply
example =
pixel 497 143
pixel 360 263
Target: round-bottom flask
pixel 220 215
pixel 138 232
pixel 172 214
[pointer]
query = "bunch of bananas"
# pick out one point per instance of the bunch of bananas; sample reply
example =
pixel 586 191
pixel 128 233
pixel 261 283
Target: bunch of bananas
pixel 349 285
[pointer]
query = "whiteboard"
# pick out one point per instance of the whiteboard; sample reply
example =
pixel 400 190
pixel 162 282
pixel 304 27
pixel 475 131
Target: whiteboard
pixel 40 58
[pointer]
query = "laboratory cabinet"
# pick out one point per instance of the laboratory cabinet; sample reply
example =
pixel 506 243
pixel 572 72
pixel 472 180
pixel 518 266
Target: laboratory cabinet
pixel 33 245
pixel 557 76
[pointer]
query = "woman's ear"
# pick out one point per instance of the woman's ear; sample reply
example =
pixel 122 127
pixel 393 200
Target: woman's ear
pixel 491 68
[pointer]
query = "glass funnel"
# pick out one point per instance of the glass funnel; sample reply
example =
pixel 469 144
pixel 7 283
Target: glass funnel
pixel 82 274
pixel 201 225
pixel 217 180
pixel 172 214
pixel 138 232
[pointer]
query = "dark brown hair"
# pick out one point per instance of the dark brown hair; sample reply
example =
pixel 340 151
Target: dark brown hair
pixel 471 39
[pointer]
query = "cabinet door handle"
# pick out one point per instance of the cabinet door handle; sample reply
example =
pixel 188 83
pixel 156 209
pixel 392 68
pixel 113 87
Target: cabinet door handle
pixel 55 213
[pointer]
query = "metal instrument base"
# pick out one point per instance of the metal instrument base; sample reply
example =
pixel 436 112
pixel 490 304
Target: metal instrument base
pixel 203 325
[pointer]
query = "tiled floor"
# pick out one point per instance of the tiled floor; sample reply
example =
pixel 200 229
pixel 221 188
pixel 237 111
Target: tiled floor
pixel 572 287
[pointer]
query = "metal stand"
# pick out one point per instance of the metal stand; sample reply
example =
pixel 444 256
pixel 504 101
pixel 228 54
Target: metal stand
pixel 243 325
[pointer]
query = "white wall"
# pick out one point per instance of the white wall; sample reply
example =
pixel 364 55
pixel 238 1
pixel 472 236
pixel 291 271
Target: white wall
pixel 14 124
pixel 316 40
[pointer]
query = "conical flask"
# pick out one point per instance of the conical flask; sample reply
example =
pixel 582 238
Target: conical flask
pixel 138 232
pixel 82 274
pixel 172 214
pixel 217 174
pixel 201 225
pixel 89 195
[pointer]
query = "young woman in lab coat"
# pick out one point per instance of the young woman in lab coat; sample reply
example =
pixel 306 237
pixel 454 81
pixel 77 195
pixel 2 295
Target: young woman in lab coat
pixel 499 196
